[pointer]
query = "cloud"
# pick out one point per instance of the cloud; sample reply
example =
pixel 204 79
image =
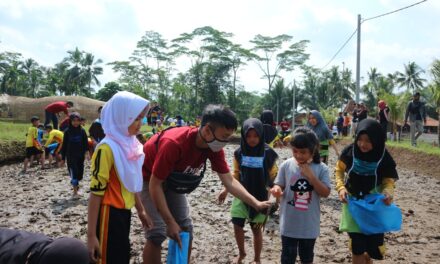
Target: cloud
pixel 46 29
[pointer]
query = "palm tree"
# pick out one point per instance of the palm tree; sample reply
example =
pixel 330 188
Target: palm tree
pixel 91 70
pixel 410 78
pixel 397 105
pixel 33 76
pixel 435 91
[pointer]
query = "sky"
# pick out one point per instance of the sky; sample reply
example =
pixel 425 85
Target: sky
pixel 45 30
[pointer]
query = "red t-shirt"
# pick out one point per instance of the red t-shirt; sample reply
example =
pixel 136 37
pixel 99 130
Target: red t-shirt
pixel 178 152
pixel 57 107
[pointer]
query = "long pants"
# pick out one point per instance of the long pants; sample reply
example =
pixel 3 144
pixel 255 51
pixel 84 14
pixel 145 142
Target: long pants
pixel 75 166
pixel 415 130
pixel 51 117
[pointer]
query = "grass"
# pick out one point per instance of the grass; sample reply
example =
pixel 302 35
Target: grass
pixel 13 130
pixel 421 147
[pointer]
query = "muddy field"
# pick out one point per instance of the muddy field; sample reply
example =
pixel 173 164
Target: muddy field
pixel 41 201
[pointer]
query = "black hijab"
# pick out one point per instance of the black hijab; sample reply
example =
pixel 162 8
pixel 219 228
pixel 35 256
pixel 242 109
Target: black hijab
pixel 373 129
pixel 255 180
pixel 270 132
pixel 357 184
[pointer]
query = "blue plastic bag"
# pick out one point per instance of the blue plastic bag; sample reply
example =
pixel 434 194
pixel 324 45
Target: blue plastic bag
pixel 178 255
pixel 373 216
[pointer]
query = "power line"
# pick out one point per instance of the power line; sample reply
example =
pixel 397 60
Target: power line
pixel 336 54
pixel 397 10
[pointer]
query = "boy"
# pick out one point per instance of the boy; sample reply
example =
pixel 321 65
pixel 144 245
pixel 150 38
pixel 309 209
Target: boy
pixel 53 144
pixel 33 147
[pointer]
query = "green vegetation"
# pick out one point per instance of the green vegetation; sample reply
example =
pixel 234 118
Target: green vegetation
pixel 212 75
pixel 421 147
pixel 13 131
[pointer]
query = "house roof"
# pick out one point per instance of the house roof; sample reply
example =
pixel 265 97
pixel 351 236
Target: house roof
pixel 431 122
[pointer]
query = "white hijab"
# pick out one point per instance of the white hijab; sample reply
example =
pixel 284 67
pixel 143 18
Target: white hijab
pixel 116 116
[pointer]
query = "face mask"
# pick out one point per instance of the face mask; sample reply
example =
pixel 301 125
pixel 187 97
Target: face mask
pixel 364 167
pixel 252 162
pixel 215 145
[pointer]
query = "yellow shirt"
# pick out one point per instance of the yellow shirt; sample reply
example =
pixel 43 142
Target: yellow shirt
pixel 104 180
pixel 54 136
pixel 32 138
pixel 387 185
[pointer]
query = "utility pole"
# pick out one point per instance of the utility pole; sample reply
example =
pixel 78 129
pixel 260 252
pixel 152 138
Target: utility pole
pixel 293 106
pixel 358 59
pixel 343 86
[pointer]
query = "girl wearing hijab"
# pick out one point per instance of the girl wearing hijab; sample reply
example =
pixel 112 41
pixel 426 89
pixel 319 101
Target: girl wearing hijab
pixel 74 148
pixel 116 180
pixel 365 167
pixel 325 136
pixel 270 132
pixel 255 168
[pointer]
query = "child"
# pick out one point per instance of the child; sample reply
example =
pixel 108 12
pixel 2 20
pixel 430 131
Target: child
pixel 364 167
pixel 40 134
pixel 346 125
pixel 74 149
pixel 33 146
pixel 53 144
pixel 116 180
pixel 340 124
pixel 301 182
pixel 325 136
pixel 255 168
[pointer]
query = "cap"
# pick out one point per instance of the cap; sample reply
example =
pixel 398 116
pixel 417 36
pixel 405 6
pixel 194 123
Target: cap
pixel 34 118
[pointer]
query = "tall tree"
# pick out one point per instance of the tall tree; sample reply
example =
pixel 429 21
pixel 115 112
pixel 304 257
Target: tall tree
pixel 411 78
pixel 272 58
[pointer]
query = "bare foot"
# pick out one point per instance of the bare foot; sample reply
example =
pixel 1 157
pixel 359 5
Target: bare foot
pixel 238 259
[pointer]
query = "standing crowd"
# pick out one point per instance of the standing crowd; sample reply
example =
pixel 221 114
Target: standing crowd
pixel 156 176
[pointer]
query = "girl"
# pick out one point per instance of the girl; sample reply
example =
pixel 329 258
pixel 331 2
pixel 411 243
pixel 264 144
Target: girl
pixel 270 132
pixel 255 168
pixel 301 182
pixel 116 180
pixel 74 148
pixel 318 125
pixel 365 167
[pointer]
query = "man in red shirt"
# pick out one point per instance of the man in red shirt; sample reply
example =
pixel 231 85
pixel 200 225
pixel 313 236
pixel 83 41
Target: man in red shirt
pixel 52 111
pixel 175 161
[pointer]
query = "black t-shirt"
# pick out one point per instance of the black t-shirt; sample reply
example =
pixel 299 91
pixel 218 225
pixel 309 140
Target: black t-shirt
pixel 382 118
pixel 21 246
pixel 414 108
pixel 361 115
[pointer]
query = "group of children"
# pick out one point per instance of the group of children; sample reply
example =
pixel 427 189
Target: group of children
pixel 70 144
pixel 363 167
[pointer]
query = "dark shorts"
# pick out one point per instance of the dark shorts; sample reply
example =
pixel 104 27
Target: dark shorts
pixel 241 222
pixel 31 151
pixel 113 232
pixel 371 244
pixel 297 246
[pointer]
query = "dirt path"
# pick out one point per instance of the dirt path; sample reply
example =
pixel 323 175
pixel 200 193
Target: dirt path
pixel 41 201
